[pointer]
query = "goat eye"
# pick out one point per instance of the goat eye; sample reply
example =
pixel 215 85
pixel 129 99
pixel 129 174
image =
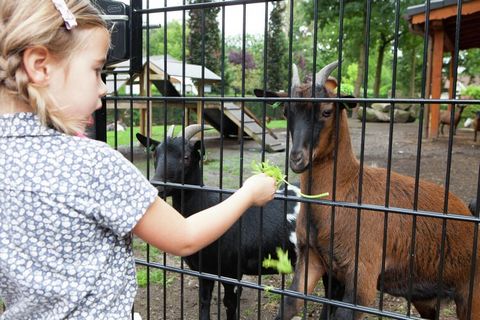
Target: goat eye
pixel 326 113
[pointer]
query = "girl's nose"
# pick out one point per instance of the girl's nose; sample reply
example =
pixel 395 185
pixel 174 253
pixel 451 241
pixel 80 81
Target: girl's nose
pixel 102 89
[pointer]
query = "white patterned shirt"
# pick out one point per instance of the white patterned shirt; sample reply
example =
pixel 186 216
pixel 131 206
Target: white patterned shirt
pixel 67 208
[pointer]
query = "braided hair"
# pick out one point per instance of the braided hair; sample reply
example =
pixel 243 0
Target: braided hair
pixel 30 23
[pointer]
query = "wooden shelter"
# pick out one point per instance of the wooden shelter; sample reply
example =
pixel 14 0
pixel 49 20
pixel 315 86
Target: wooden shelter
pixel 167 74
pixel 442 30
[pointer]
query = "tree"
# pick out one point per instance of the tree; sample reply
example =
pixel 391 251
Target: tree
pixel 277 49
pixel 204 37
pixel 380 39
pixel 470 59
pixel 243 61
pixel 174 41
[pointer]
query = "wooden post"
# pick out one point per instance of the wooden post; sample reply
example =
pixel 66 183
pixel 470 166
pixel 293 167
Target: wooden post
pixel 428 89
pixel 437 62
pixel 143 92
pixel 451 80
pixel 199 103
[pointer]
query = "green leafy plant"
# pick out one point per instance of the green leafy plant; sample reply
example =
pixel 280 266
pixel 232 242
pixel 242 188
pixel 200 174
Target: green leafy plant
pixel 283 264
pixel 276 105
pixel 276 173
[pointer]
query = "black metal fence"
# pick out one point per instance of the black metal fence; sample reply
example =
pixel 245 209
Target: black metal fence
pixel 170 288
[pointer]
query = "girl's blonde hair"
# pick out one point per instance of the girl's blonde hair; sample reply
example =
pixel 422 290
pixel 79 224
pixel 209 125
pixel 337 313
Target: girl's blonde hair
pixel 29 23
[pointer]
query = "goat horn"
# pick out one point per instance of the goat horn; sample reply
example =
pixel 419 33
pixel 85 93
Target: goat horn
pixel 193 129
pixel 295 76
pixel 322 75
pixel 170 131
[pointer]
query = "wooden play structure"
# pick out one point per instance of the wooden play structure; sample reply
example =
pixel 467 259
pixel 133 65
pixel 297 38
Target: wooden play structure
pixel 442 20
pixel 166 74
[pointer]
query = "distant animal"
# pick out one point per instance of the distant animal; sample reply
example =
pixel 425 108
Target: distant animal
pixel 120 126
pixel 476 125
pixel 177 160
pixel 317 145
pixel 445 118
pixel 468 123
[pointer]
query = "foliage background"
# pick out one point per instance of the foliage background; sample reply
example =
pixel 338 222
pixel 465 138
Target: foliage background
pixel 380 56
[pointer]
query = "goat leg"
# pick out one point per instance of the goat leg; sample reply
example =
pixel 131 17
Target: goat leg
pixel 230 300
pixel 365 292
pixel 463 296
pixel 337 292
pixel 206 289
pixel 426 308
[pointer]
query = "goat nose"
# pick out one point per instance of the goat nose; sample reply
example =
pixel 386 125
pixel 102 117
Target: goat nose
pixel 295 156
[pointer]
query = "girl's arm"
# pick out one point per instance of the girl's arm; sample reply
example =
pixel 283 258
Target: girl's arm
pixel 165 228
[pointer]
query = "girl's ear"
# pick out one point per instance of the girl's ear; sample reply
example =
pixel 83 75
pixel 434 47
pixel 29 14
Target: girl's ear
pixel 36 62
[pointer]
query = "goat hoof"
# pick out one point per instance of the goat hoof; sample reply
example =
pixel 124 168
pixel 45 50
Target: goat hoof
pixel 343 314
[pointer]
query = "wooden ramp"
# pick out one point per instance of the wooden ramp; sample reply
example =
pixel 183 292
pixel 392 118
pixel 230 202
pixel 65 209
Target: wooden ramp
pixel 232 122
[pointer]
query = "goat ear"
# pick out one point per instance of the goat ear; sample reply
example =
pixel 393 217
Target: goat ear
pixel 269 94
pixel 197 146
pixel 347 104
pixel 331 84
pixel 145 141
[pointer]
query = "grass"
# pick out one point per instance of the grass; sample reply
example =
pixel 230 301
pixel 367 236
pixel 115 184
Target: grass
pixel 277 124
pixel 157 276
pixel 157 133
pixel 124 137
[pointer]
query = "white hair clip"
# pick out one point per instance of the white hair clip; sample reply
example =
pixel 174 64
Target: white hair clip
pixel 67 15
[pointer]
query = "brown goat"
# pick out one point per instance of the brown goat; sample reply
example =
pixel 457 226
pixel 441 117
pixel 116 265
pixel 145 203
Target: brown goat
pixel 312 130
pixel 445 118
pixel 476 125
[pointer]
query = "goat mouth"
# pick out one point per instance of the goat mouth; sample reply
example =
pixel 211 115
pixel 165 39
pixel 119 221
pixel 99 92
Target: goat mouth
pixel 298 166
pixel 163 192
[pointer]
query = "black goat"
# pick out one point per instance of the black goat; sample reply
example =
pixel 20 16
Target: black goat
pixel 183 158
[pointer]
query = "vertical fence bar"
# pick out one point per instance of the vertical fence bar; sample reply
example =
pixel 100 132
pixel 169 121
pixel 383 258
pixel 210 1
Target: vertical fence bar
pixel 328 292
pixel 454 63
pixel 368 9
pixel 221 157
pixel 418 158
pixel 184 122
pixel 390 152
pixel 148 133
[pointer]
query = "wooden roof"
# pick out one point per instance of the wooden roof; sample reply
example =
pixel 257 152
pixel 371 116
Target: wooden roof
pixel 443 14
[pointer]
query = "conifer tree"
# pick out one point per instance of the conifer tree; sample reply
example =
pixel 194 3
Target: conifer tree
pixel 277 52
pixel 204 37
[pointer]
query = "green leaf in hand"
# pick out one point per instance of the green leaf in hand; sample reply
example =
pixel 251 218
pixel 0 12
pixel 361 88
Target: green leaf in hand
pixel 276 173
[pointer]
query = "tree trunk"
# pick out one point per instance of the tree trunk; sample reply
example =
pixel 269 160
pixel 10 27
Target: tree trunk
pixel 412 74
pixel 361 70
pixel 378 69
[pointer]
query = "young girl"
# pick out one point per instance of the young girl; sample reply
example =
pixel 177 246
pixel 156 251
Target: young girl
pixel 68 205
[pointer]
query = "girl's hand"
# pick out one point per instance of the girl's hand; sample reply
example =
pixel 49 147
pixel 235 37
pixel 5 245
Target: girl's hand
pixel 261 189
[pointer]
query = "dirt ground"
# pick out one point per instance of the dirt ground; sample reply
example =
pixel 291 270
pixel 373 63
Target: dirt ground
pixel 181 298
